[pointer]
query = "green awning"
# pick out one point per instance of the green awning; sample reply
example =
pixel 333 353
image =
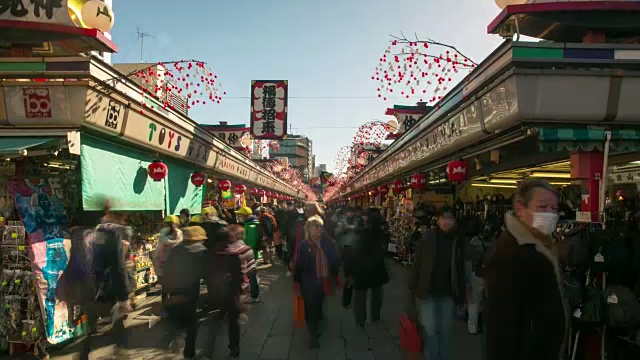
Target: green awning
pixel 10 145
pixel 181 193
pixel 571 139
pixel 118 173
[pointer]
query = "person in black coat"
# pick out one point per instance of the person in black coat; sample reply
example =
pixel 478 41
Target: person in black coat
pixel 367 266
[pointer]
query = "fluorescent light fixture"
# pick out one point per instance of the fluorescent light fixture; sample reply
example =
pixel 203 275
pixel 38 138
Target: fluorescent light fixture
pixel 560 183
pixel 503 181
pixel 439 181
pixel 551 175
pixel 495 186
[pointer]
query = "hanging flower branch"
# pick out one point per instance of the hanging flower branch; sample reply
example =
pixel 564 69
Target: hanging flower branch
pixel 172 82
pixel 291 176
pixel 421 69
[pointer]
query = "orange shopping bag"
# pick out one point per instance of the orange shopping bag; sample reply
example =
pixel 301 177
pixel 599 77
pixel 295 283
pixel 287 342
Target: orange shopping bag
pixel 298 311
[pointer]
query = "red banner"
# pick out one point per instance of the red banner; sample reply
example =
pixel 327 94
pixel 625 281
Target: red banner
pixel 269 109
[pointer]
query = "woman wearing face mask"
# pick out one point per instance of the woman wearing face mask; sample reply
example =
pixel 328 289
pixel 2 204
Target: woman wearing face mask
pixel 526 316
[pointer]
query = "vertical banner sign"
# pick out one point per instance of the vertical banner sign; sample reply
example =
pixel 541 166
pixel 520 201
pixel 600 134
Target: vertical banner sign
pixel 269 109
pixel 40 205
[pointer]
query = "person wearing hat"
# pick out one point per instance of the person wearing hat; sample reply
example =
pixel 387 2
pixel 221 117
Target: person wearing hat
pixel 437 284
pixel 185 217
pixel 269 229
pixel 252 236
pixel 184 268
pixel 213 225
pixel 170 236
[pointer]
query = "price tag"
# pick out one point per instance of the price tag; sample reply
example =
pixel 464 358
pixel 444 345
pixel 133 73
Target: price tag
pixel 18 281
pixel 598 258
pixel 577 314
pixel 34 330
pixel 21 247
pixel 612 299
pixel 14 235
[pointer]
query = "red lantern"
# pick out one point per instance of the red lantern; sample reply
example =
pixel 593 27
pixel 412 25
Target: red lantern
pixel 268 194
pixel 397 186
pixel 457 171
pixel 224 185
pixel 261 192
pixel 198 178
pixel 418 181
pixel 239 189
pixel 253 191
pixel 384 190
pixel 374 192
pixel 157 170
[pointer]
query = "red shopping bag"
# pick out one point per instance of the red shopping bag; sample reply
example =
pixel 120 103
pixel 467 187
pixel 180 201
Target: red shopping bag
pixel 298 312
pixel 410 338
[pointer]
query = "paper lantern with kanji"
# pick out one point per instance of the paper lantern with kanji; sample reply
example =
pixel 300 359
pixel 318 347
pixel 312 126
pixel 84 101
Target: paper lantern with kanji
pixel 239 189
pixel 384 190
pixel 253 191
pixel 457 171
pixel 261 192
pixel 97 15
pixel 157 170
pixel 224 185
pixel 268 194
pixel 374 192
pixel 397 186
pixel 418 181
pixel 198 178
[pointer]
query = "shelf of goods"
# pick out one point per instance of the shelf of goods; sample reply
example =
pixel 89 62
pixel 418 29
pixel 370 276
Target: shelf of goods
pixel 401 227
pixel 20 315
pixel 145 275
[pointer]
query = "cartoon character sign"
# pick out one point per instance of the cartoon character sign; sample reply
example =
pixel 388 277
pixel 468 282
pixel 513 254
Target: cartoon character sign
pixel 40 206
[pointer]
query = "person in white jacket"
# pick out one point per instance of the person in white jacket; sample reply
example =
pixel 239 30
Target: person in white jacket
pixel 170 236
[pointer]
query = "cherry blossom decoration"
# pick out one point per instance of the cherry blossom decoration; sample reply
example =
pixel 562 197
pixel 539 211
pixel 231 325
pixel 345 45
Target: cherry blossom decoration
pixel 170 82
pixel 422 70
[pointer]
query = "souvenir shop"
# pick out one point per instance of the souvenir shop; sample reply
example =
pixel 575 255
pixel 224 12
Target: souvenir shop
pixel 58 170
pixel 470 152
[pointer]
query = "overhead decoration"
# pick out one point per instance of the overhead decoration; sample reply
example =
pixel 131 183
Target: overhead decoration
pixel 418 181
pixel 268 194
pixel 96 14
pixel 239 189
pixel 397 186
pixel 157 170
pixel 374 192
pixel 198 178
pixel 179 85
pixel 269 109
pixel 224 185
pixel 253 191
pixel 261 192
pixel 457 171
pixel 421 70
pixel 384 190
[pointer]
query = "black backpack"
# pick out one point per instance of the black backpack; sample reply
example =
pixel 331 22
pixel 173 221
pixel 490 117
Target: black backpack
pixel 623 308
pixel 573 250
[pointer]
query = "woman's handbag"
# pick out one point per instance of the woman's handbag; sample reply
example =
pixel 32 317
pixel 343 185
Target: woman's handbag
pixel 298 312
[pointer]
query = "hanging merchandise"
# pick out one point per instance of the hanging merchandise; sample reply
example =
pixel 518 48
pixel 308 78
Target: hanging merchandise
pixel 397 186
pixel 457 171
pixel 198 178
pixel 157 170
pixel 418 181
pixel 224 185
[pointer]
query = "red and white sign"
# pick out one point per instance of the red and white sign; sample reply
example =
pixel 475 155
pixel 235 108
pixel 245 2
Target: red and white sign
pixel 457 171
pixel 37 103
pixel 269 109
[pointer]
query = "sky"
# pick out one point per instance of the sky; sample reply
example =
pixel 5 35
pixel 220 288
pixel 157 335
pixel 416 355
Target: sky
pixel 326 49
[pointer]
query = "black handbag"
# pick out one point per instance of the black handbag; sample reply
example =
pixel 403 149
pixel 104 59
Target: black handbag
pixel 593 308
pixel 347 295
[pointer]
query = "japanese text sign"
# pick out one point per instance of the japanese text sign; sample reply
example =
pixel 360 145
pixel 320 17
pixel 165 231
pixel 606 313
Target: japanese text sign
pixel 269 109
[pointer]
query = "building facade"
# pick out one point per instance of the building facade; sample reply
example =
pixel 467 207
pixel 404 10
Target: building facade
pixel 298 150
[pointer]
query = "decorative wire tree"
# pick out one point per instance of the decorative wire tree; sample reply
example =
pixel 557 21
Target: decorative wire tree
pixel 422 69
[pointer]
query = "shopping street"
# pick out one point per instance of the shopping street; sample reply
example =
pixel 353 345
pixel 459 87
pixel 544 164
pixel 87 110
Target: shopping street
pixel 269 334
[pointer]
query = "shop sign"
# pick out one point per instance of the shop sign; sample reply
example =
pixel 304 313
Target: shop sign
pixel 235 137
pixel 45 105
pixel 42 11
pixel 626 177
pixel 233 168
pixel 269 109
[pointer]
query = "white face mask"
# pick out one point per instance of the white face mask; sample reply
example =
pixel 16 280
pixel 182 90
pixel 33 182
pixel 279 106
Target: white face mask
pixel 545 222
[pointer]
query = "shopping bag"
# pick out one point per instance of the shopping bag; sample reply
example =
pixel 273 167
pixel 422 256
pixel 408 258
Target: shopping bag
pixel 298 312
pixel 347 295
pixel 410 338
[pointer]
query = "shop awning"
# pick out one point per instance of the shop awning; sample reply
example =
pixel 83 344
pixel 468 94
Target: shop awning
pixel 568 139
pixel 181 193
pixel 11 145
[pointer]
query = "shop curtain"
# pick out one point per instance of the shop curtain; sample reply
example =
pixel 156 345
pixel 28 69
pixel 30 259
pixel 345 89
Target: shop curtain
pixel 181 193
pixel 118 173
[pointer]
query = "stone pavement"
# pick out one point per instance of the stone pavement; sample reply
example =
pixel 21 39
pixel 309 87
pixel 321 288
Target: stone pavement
pixel 270 335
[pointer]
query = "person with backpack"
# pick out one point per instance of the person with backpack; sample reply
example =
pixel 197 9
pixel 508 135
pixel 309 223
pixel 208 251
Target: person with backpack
pixel 185 267
pixel 228 281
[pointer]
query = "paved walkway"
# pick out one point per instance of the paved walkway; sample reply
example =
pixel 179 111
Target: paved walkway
pixel 269 334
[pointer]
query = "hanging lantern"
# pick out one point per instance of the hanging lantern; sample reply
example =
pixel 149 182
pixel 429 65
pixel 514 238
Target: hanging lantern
pixel 457 171
pixel 384 190
pixel 253 191
pixel 157 170
pixel 224 185
pixel 97 15
pixel 198 178
pixel 397 186
pixel 374 192
pixel 239 189
pixel 268 194
pixel 261 192
pixel 418 181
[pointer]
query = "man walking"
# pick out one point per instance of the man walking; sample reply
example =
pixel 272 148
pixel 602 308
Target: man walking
pixel 437 283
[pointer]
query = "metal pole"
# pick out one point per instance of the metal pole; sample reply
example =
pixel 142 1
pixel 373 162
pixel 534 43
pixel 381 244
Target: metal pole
pixel 605 177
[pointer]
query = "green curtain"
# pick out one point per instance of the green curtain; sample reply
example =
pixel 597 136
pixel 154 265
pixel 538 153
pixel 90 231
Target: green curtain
pixel 118 173
pixel 181 193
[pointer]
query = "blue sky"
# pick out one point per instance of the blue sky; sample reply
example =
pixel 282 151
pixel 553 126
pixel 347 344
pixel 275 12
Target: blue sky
pixel 324 48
